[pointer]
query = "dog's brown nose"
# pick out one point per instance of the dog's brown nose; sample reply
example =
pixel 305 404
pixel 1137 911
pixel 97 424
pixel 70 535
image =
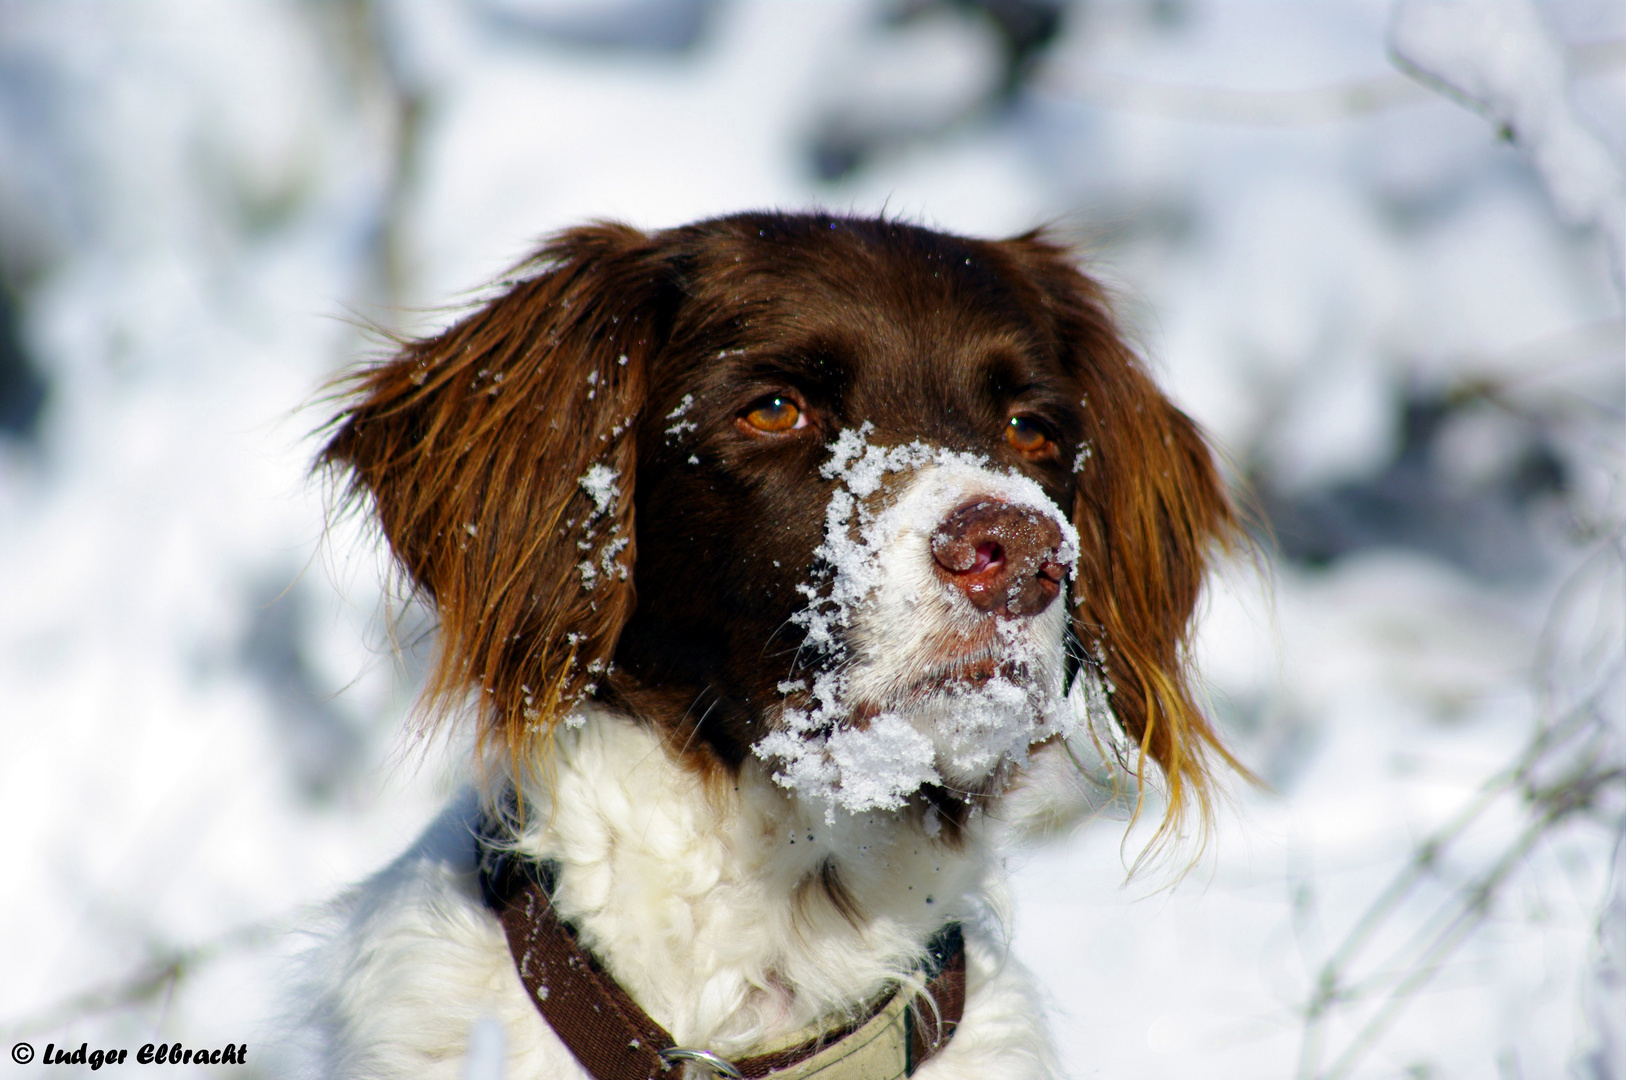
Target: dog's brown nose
pixel 1004 558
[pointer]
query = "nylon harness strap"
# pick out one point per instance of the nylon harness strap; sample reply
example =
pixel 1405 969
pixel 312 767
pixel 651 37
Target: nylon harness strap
pixel 614 1039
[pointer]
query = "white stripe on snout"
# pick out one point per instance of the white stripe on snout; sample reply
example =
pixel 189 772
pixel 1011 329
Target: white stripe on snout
pixel 915 627
pixel 911 610
pixel 895 706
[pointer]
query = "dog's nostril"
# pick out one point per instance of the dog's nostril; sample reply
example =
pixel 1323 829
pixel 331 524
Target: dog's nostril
pixel 989 556
pixel 955 552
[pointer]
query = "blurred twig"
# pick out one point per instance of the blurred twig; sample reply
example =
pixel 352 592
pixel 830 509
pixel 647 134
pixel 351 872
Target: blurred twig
pixel 1559 773
pixel 1272 108
pixel 393 104
pixel 1220 105
pixel 158 977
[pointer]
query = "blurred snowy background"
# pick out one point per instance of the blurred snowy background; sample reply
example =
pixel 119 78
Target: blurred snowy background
pixel 1375 249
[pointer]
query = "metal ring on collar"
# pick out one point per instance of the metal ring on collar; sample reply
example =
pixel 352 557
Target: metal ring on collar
pixel 717 1065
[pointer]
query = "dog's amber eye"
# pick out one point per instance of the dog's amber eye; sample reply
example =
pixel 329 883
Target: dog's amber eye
pixel 775 414
pixel 1030 438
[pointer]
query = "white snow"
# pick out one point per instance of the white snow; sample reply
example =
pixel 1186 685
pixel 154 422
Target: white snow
pixel 964 735
pixel 599 483
pixel 682 426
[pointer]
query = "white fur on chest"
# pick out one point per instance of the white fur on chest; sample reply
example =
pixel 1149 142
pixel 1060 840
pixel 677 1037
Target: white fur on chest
pixel 703 904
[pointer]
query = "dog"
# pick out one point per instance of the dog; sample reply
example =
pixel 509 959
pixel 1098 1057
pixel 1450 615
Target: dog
pixel 785 564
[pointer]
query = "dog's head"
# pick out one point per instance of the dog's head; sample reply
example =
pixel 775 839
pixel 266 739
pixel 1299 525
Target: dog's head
pixel 873 503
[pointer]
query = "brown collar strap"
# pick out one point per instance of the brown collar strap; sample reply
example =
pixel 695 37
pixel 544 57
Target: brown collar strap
pixel 614 1039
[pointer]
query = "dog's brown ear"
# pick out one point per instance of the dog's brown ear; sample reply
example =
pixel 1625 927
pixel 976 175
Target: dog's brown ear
pixel 1150 511
pixel 499 457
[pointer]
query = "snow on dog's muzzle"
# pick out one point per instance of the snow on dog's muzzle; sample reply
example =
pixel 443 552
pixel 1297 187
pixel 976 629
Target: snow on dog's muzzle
pixel 936 641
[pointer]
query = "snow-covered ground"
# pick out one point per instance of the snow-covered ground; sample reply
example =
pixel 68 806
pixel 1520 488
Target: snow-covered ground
pixel 1384 283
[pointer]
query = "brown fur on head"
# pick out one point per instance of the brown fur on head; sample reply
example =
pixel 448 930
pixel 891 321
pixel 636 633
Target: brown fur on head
pixel 633 354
